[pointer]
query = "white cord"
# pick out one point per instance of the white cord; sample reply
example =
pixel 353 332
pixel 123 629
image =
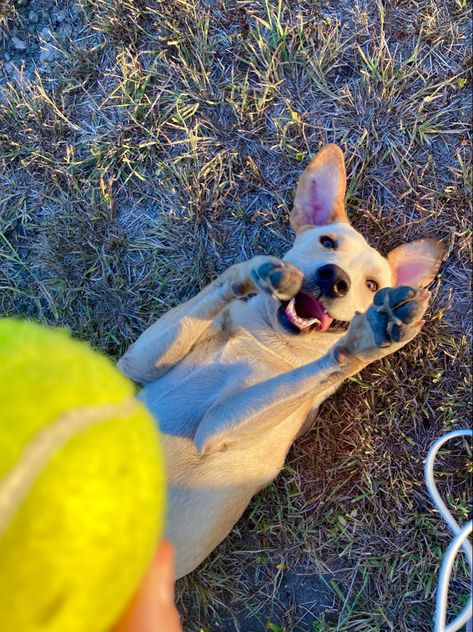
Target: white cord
pixel 460 540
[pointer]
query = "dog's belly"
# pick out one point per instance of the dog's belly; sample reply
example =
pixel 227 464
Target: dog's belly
pixel 199 519
pixel 207 495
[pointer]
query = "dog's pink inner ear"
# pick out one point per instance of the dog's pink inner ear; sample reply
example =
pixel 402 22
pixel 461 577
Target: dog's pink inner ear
pixel 416 263
pixel 320 194
pixel 320 203
pixel 409 274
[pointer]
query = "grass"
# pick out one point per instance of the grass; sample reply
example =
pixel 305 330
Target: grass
pixel 161 143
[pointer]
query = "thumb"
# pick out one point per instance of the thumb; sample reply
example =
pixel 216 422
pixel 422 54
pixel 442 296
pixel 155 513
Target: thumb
pixel 152 609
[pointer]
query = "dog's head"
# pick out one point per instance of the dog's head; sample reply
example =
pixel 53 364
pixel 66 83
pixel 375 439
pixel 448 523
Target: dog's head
pixel 341 271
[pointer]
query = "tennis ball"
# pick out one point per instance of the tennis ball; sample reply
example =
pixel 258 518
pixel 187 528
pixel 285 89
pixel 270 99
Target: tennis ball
pixel 81 484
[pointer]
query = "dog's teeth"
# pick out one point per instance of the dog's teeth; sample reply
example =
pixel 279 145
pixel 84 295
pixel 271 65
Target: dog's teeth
pixel 291 309
pixel 311 321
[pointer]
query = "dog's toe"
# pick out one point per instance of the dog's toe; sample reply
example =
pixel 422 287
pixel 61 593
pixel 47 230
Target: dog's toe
pixel 279 279
pixel 393 312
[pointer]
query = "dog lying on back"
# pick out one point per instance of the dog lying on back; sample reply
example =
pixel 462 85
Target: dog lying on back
pixel 233 383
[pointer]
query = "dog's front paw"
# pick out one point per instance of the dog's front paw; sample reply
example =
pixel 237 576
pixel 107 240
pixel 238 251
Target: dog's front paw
pixel 396 313
pixel 277 278
pixel 267 275
pixel 394 319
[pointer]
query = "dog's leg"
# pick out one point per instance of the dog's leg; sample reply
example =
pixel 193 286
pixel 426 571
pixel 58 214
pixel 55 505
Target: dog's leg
pixel 391 322
pixel 168 341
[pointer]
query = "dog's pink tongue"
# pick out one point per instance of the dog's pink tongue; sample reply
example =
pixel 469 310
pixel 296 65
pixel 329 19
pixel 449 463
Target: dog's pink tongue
pixel 309 307
pixel 325 322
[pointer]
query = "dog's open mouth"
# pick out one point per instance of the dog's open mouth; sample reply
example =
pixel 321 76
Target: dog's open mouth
pixel 305 312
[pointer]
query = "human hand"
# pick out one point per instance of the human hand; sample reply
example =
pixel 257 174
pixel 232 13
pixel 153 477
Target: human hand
pixel 152 609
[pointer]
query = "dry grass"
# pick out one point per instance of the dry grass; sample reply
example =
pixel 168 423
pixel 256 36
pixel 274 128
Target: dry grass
pixel 160 142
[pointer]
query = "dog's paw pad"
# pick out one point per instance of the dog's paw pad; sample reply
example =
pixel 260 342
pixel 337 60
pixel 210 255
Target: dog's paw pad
pixel 279 279
pixel 396 314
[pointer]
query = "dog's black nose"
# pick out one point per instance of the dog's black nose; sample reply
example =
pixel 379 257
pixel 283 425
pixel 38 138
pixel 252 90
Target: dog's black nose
pixel 332 281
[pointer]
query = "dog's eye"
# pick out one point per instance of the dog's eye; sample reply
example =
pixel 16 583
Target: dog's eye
pixel 328 242
pixel 371 285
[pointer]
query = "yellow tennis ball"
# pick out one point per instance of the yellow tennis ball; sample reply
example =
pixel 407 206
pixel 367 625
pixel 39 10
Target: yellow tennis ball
pixel 81 484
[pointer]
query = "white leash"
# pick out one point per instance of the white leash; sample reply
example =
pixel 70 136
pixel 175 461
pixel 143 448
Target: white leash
pixel 460 540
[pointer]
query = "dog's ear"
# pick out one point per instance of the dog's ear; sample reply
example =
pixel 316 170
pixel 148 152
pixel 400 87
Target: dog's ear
pixel 416 263
pixel 320 193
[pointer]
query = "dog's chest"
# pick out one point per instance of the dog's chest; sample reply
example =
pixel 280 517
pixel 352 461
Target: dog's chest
pixel 211 372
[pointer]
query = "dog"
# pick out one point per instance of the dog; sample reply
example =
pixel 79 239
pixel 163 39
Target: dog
pixel 233 382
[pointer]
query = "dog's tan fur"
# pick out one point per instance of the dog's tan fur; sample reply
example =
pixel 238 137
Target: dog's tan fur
pixel 232 388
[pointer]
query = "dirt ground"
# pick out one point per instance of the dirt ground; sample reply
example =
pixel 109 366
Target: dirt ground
pixel 145 145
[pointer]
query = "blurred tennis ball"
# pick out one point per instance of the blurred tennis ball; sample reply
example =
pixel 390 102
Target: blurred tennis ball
pixel 81 484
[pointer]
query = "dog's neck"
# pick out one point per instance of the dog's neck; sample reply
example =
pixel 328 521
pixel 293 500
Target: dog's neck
pixel 293 349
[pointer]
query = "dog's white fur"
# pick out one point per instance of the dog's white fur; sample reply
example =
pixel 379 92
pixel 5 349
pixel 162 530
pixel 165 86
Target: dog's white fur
pixel 232 388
